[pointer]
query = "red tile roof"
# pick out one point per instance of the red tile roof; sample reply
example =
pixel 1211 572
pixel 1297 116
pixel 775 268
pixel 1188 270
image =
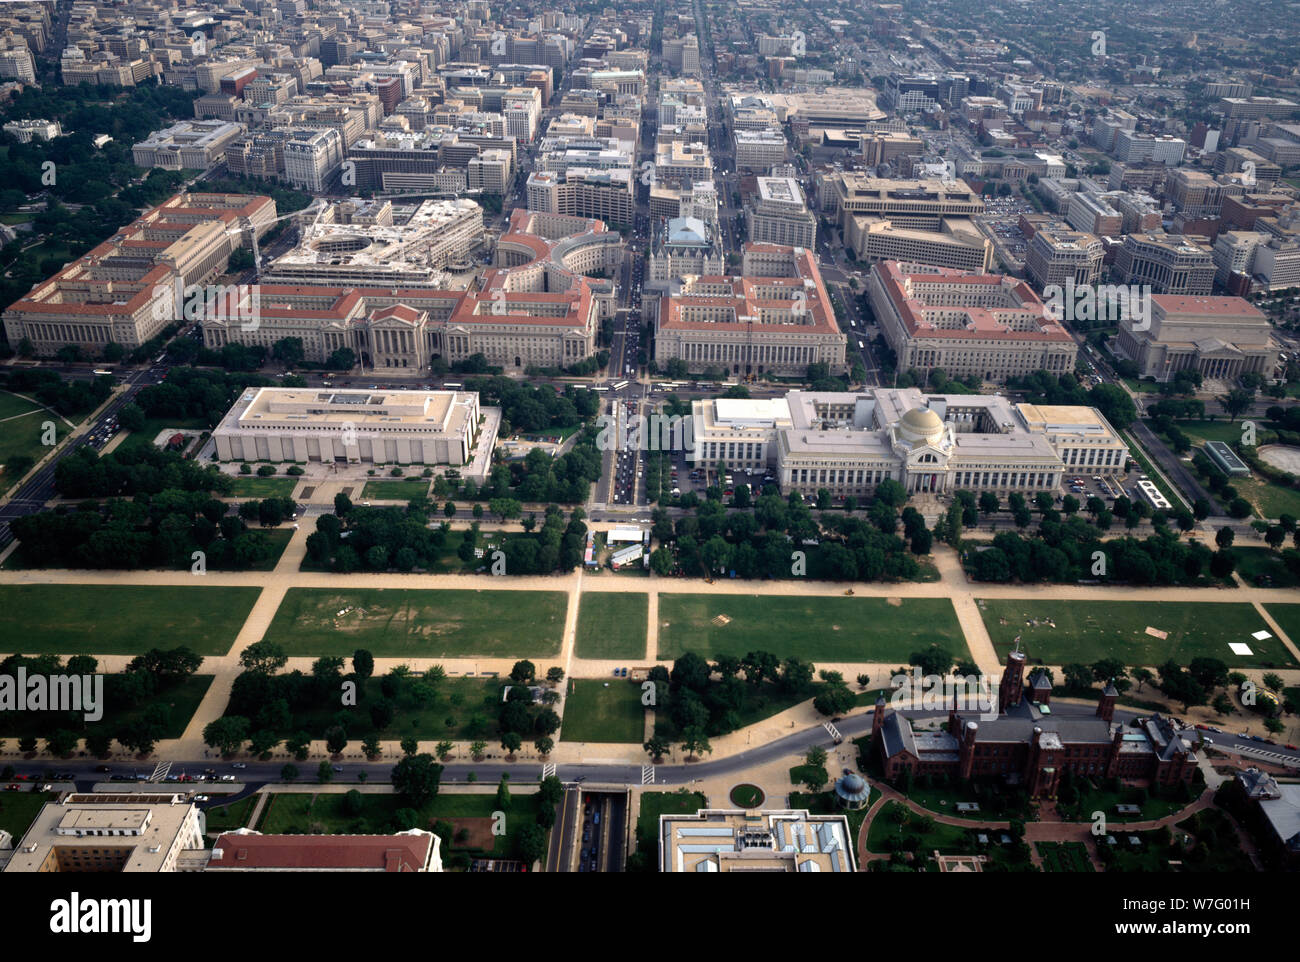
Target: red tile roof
pixel 386 853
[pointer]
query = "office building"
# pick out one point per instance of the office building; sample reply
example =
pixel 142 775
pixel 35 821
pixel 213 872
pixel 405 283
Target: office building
pixel 984 325
pixel 1221 337
pixel 110 832
pixel 1167 263
pixel 125 291
pixel 1056 255
pixel 776 317
pixel 778 215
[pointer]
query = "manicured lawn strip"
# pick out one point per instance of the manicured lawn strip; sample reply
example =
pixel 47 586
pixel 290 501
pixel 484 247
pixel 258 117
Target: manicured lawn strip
pixel 612 625
pixel 181 698
pixel 817 629
pixel 470 705
pixel 596 713
pixel 227 818
pixel 1100 800
pixel 1210 430
pixel 944 838
pixel 654 804
pixel 302 813
pixel 1086 632
pixel 420 623
pixel 263 487
pixel 21 434
pixel 1287 618
pixel 19 809
pixel 396 490
pixel 121 619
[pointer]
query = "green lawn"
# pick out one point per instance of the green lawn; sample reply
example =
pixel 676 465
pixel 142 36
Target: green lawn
pixel 154 426
pixel 654 804
pixel 1211 430
pixel 420 623
pixel 1086 632
pixel 600 711
pixel 1287 618
pixel 1253 562
pixel 945 838
pixel 19 809
pixel 818 629
pixel 120 620
pixel 396 490
pixel 182 700
pixel 20 432
pixel 1269 499
pixel 1099 799
pixel 304 813
pixel 612 625
pixel 460 709
pixel 254 487
pixel 227 818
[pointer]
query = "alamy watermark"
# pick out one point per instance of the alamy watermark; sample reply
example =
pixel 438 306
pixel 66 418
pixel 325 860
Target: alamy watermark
pixel 24 692
pixel 209 302
pixel 1100 302
pixel 657 432
pixel 970 693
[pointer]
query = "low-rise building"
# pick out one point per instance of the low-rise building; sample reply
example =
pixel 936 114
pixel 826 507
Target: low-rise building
pixel 734 840
pixel 415 850
pixel 111 832
pixel 352 426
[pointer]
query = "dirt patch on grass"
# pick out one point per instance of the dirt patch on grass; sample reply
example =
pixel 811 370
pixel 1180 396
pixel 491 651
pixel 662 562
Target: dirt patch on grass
pixel 894 602
pixel 480 833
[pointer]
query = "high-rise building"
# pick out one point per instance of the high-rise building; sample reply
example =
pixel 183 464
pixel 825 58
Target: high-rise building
pixel 780 216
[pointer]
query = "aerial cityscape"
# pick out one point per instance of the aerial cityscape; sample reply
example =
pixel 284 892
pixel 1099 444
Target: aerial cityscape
pixel 652 437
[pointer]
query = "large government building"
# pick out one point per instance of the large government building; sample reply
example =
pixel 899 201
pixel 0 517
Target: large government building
pixel 848 442
pixel 379 427
pixel 535 308
pixel 125 291
pixel 1222 337
pixel 776 318
pixel 987 325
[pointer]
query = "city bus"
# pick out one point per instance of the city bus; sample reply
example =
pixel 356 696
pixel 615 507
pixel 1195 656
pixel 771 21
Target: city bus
pixel 451 386
pixel 100 372
pixel 619 385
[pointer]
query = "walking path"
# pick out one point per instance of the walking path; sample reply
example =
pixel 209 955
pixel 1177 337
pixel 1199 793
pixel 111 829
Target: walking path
pixel 1047 828
pixel 580 587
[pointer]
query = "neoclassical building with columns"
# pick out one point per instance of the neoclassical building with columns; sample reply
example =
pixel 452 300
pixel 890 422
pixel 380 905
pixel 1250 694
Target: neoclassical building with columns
pixel 849 442
pixel 536 307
